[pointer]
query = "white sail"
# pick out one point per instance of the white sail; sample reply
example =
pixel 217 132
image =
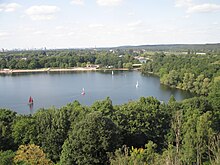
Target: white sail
pixel 83 91
pixel 137 85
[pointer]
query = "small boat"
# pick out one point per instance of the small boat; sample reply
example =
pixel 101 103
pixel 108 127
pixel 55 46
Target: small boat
pixel 112 72
pixel 30 101
pixel 83 92
pixel 137 85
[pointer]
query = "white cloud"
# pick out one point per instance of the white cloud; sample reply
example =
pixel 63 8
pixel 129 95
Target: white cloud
pixel 96 25
pixel 183 3
pixel 203 8
pixel 39 32
pixel 77 2
pixel 42 12
pixel 10 7
pixel 131 13
pixel 61 27
pixel 135 24
pixel 109 2
pixel 3 34
pixel 197 8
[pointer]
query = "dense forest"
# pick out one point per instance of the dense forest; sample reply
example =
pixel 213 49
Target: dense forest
pixel 141 132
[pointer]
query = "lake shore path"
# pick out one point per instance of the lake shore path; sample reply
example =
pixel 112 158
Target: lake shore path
pixel 9 71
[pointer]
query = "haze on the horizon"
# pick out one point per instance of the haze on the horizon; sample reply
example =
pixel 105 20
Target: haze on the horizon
pixel 104 23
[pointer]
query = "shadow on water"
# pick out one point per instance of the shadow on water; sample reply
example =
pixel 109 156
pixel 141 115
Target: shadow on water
pixel 176 92
pixel 31 106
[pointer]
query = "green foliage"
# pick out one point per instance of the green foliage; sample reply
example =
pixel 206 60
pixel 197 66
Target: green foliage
pixel 6 119
pixel 142 121
pixel 194 73
pixel 214 98
pixel 214 95
pixel 90 140
pixel 196 131
pixel 140 156
pixel 52 126
pixel 128 65
pixel 104 106
pixel 170 79
pixel 23 130
pixel 6 157
pixel 64 59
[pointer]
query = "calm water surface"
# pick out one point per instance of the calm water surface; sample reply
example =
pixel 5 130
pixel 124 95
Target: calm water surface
pixel 58 89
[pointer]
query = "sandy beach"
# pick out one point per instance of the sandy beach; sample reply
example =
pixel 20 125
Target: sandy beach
pixel 10 71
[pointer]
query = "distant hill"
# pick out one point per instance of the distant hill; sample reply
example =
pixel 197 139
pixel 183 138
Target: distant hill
pixel 163 47
pixel 174 47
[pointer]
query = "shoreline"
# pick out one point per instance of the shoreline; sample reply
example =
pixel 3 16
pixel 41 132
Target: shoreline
pixel 11 71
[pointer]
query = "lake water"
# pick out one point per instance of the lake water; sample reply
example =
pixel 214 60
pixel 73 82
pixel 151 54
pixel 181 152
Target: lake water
pixel 58 89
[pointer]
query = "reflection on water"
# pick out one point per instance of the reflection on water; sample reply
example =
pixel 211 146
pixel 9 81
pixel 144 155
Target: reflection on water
pixel 59 88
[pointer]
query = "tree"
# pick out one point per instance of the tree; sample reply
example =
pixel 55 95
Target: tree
pixel 52 126
pixel 31 154
pixel 6 157
pixel 104 106
pixel 139 156
pixel 196 132
pixel 24 130
pixel 142 121
pixel 214 97
pixel 128 65
pixel 6 119
pixel 205 86
pixel 188 80
pixel 170 79
pixel 3 63
pixel 90 140
pixel 198 84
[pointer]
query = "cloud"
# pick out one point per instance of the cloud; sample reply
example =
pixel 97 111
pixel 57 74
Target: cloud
pixel 109 2
pixel 77 2
pixel 131 13
pixel 203 8
pixel 183 3
pixel 135 24
pixel 197 8
pixel 96 25
pixel 3 34
pixel 38 32
pixel 10 7
pixel 42 12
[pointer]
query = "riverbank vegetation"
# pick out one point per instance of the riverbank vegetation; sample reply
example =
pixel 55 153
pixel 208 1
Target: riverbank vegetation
pixel 65 59
pixel 192 72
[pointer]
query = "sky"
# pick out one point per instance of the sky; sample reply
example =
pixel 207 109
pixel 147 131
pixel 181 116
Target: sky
pixel 30 24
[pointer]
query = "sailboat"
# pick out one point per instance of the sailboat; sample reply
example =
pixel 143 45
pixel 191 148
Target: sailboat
pixel 137 85
pixel 83 92
pixel 31 101
pixel 112 72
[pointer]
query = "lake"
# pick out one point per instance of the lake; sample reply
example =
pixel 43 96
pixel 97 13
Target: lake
pixel 59 88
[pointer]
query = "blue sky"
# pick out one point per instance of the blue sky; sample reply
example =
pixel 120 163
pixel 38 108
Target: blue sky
pixel 104 23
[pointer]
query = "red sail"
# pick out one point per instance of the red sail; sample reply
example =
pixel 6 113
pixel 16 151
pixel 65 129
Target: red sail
pixel 30 100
